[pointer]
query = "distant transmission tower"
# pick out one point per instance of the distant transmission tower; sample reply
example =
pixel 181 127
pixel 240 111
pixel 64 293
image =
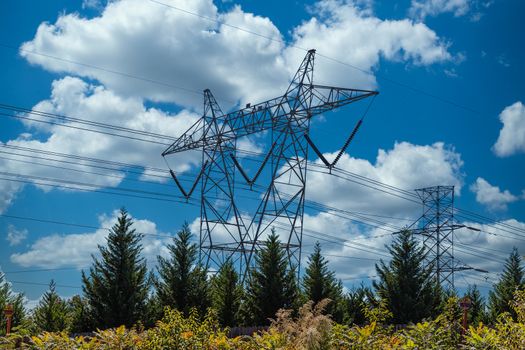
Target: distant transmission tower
pixel 226 231
pixel 437 228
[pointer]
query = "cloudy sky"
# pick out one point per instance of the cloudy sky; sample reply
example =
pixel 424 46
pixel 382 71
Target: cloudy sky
pixel 450 112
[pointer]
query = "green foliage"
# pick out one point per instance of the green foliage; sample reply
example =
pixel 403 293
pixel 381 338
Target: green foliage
pixel 80 314
pixel 175 331
pixel 182 285
pixel 226 295
pixel 16 300
pixel 52 312
pixel 354 304
pixel 309 330
pixel 511 280
pixel 477 312
pixel 320 283
pixel 271 284
pixel 117 287
pixel 405 284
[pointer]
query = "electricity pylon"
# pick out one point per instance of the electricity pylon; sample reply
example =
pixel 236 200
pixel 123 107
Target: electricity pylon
pixel 226 232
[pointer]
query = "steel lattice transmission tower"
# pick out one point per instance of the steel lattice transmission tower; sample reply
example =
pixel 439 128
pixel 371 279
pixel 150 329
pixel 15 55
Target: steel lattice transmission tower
pixel 226 231
pixel 437 230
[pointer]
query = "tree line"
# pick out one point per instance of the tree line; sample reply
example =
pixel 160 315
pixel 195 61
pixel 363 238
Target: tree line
pixel 119 290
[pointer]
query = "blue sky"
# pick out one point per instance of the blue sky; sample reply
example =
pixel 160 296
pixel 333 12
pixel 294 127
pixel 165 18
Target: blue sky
pixel 450 112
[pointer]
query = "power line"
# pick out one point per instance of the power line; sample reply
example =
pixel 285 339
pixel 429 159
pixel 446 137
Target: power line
pixel 373 184
pixel 93 190
pixel 44 284
pixel 61 117
pixel 357 217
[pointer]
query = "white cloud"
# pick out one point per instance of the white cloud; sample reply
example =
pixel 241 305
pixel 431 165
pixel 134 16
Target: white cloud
pixel 148 40
pixel 159 43
pixel 74 97
pixel 511 138
pixel 59 250
pixel 92 4
pixel 8 191
pixel 491 196
pixel 343 31
pixel 406 166
pixel 422 8
pixel 152 41
pixel 15 236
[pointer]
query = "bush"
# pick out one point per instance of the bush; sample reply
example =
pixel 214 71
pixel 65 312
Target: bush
pixel 309 330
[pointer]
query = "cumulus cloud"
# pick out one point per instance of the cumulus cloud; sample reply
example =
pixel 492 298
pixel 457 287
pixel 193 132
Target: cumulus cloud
pixel 59 250
pixel 152 42
pixel 74 97
pixel 511 138
pixel 15 236
pixel 422 8
pixel 343 31
pixel 406 166
pixel 491 196
pixel 149 40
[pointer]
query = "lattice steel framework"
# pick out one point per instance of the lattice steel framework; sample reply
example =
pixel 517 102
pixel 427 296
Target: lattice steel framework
pixel 437 229
pixel 225 231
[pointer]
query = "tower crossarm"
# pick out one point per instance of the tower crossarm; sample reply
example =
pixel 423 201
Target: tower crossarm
pixel 313 100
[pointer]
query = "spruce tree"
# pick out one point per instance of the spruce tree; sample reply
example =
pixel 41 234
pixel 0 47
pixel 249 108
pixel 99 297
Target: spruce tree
pixel 354 304
pixel 52 312
pixel 117 285
pixel 182 284
pixel 503 293
pixel 226 295
pixel 15 300
pixel 81 315
pixel 476 312
pixel 271 284
pixel 405 284
pixel 320 283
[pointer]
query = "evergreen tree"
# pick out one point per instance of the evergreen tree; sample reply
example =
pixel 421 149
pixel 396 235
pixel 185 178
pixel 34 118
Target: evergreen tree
pixel 182 284
pixel 320 283
pixel 117 286
pixel 81 320
pixel 52 312
pixel 405 284
pixel 476 312
pixel 354 303
pixel 503 293
pixel 16 300
pixel 226 295
pixel 271 285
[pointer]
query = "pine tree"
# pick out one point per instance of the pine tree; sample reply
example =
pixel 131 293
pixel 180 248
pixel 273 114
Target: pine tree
pixel 271 285
pixel 405 284
pixel 117 286
pixel 81 315
pixel 354 303
pixel 16 300
pixel 320 283
pixel 503 293
pixel 181 283
pixel 476 312
pixel 52 312
pixel 226 295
